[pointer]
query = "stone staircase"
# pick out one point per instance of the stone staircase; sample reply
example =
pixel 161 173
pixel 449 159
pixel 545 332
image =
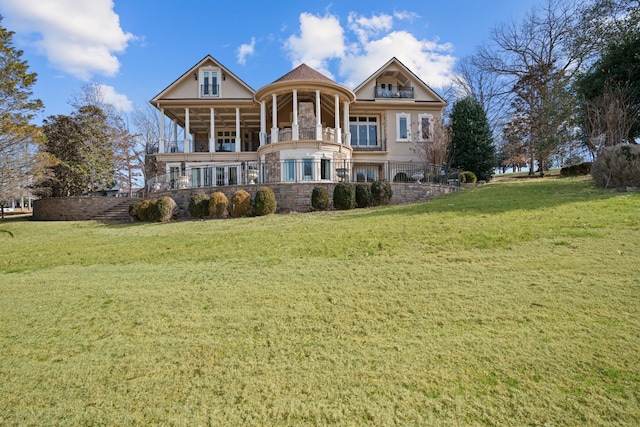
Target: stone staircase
pixel 119 212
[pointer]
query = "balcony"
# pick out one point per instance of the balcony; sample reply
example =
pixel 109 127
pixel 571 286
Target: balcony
pixel 209 91
pixel 304 134
pixel 400 92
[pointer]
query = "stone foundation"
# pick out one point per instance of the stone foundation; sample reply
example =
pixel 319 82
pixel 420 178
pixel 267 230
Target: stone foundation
pixel 290 198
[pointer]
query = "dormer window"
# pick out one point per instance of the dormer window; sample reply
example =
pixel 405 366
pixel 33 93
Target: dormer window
pixel 392 86
pixel 209 83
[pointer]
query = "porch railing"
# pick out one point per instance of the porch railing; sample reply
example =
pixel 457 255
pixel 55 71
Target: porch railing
pixel 301 171
pixel 286 134
pixel 398 92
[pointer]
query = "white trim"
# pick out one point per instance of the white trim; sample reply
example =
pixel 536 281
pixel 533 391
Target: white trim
pixel 399 117
pixel 420 131
pixel 218 72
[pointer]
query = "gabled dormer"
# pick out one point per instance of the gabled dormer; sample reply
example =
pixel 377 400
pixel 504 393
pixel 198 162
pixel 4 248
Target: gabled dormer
pixel 393 84
pixel 394 81
pixel 207 80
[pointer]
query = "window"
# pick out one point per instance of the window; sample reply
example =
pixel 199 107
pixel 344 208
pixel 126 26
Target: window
pixel 195 177
pixel 209 84
pixel 208 177
pixel 288 170
pixel 365 174
pixel 307 169
pixel 426 129
pixel 174 173
pixel 364 131
pixel 402 127
pixel 325 169
pixel 220 176
pixel 226 141
pixel 233 175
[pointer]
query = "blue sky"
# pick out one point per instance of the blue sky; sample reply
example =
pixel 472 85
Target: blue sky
pixel 135 48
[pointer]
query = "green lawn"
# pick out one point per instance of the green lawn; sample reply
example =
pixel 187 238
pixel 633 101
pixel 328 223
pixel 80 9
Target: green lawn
pixel 514 303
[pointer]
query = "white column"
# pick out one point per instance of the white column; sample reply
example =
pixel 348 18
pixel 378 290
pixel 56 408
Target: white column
pixel 175 131
pixel 294 126
pixel 347 134
pixel 187 140
pixel 338 133
pixel 274 117
pixel 318 117
pixel 212 131
pixel 238 137
pixel 161 142
pixel 263 123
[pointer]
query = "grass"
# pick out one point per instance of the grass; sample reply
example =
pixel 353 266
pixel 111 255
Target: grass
pixel 514 303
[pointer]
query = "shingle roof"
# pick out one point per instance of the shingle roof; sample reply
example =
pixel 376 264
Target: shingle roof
pixel 303 72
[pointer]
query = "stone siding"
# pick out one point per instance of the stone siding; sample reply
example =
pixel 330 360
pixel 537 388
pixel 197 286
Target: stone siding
pixel 290 198
pixel 74 208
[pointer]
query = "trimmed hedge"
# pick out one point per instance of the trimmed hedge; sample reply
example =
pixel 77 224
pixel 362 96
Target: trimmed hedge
pixel 468 177
pixel 240 204
pixel 344 196
pixel 264 202
pixel 580 169
pixel 364 198
pixel 381 192
pixel 218 205
pixel 320 198
pixel 199 205
pixel 154 210
pixel 617 166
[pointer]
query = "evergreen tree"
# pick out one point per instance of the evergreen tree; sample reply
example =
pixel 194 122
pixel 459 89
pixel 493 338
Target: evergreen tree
pixel 472 143
pixel 81 151
pixel 17 109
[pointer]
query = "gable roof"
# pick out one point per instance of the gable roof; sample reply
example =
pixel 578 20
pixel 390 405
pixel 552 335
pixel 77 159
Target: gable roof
pixel 396 61
pixel 207 59
pixel 303 72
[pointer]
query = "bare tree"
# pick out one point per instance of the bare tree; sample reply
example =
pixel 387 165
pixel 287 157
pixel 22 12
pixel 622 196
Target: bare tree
pixel 534 58
pixel 433 146
pixel 127 147
pixel 488 88
pixel 610 117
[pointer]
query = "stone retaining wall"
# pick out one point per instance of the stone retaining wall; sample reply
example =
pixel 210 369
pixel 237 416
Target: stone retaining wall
pixel 290 197
pixel 73 208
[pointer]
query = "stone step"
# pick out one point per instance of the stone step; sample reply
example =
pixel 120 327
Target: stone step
pixel 117 213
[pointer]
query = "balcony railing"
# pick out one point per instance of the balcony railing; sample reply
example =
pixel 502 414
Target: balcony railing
pixel 209 91
pixel 286 134
pixel 301 171
pixel 399 92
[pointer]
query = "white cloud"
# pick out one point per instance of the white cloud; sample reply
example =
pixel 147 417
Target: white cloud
pixel 405 15
pixel 369 27
pixel 427 59
pixel 321 39
pixel 118 100
pixel 78 36
pixel 245 50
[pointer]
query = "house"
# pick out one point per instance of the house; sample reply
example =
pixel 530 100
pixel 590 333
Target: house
pixel 216 130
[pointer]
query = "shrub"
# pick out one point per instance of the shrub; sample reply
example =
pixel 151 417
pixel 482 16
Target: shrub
pixel 319 198
pixel 364 198
pixel 218 205
pixel 579 169
pixel 468 177
pixel 157 210
pixel 163 209
pixel 240 204
pixel 135 208
pixel 381 192
pixel 264 202
pixel 199 205
pixel 401 177
pixel 344 196
pixel 617 166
